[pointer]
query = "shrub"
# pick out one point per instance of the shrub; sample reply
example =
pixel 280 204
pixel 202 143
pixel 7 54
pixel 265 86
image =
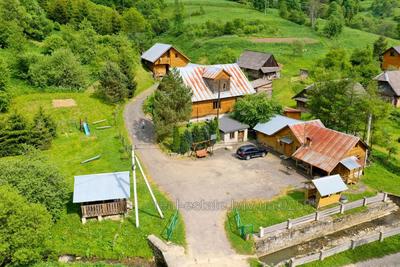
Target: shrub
pixel 24 229
pixel 113 86
pixel 36 180
pixel 61 69
pixel 185 142
pixel 5 100
pixel 176 140
pixel 4 74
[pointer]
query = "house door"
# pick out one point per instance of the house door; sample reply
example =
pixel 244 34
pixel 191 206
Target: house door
pixel 241 136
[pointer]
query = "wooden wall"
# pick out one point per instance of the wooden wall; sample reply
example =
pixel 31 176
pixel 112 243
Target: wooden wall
pixel 328 200
pixel 205 108
pixel 171 58
pixel 391 62
pixel 274 143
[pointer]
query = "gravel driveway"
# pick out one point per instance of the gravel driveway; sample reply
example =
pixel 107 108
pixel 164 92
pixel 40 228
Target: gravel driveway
pixel 204 188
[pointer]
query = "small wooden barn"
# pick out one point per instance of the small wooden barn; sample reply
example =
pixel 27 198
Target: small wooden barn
pixel 259 65
pixel 102 195
pixel 215 88
pixel 292 113
pixel 391 58
pixel 262 86
pixel 389 86
pixel 160 58
pixel 232 131
pixel 325 191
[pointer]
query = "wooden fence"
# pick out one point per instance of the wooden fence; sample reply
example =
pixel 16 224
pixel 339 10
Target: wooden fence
pixel 103 209
pixel 322 214
pixel 380 236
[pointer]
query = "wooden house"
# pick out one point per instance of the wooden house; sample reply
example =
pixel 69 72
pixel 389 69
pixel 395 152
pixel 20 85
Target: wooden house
pixel 232 131
pixel 317 150
pixel 292 113
pixel 102 195
pixel 263 86
pixel 324 151
pixel 391 58
pixel 259 65
pixel 325 191
pixel 389 86
pixel 215 88
pixel 160 58
pixel 302 97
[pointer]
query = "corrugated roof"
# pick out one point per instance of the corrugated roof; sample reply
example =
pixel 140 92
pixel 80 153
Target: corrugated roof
pixel 392 77
pixel 192 76
pixel 351 163
pixel 212 72
pixel 328 147
pixel 253 60
pixel 329 185
pixel 155 52
pixel 275 124
pixel 102 186
pixel 229 125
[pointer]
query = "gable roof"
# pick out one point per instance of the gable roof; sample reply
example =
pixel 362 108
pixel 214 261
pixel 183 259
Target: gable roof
pixel 329 185
pixel 396 48
pixel 302 95
pixel 260 82
pixel 269 69
pixel 156 51
pixel 192 76
pixel 102 186
pixel 275 124
pixel 392 77
pixel 328 147
pixel 213 72
pixel 253 60
pixel 229 125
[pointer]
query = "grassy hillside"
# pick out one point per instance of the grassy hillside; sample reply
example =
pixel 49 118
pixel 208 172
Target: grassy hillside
pixel 201 50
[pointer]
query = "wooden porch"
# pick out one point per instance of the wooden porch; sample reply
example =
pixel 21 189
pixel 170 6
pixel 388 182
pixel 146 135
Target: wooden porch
pixel 103 209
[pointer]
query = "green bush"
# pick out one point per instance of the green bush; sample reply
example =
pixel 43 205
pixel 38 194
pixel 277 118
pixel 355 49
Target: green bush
pixel 35 179
pixel 24 229
pixel 60 69
pixel 113 83
pixel 5 100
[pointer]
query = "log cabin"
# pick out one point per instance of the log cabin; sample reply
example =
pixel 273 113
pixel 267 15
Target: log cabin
pixel 318 150
pixel 102 195
pixel 325 191
pixel 263 86
pixel 292 113
pixel 389 86
pixel 259 65
pixel 215 88
pixel 391 58
pixel 160 58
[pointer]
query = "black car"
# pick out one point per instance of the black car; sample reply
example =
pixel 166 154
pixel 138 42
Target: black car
pixel 250 151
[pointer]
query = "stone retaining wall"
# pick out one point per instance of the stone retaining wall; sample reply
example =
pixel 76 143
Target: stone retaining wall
pixel 279 240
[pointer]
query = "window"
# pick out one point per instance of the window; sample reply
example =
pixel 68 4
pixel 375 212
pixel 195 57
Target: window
pixel 392 53
pixel 216 104
pixel 176 55
pixel 232 135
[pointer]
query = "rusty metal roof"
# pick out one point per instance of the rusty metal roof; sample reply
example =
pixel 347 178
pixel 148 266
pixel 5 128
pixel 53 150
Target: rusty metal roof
pixel 193 76
pixel 328 147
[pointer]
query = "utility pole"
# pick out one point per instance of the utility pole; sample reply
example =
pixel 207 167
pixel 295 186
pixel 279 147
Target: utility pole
pixel 134 187
pixel 218 101
pixel 368 138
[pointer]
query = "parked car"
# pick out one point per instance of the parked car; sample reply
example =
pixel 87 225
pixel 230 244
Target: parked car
pixel 250 151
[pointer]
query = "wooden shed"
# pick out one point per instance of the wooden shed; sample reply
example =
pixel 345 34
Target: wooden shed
pixel 263 86
pixel 102 195
pixel 389 86
pixel 292 113
pixel 160 58
pixel 259 65
pixel 325 191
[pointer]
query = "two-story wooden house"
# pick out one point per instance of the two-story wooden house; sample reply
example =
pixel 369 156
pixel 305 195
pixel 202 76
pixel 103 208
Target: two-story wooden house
pixel 389 86
pixel 160 58
pixel 215 88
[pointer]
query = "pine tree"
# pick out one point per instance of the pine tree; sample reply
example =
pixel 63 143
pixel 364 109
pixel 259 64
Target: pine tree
pixel 113 83
pixel 380 45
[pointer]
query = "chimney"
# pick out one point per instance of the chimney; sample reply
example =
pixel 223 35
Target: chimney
pixel 308 142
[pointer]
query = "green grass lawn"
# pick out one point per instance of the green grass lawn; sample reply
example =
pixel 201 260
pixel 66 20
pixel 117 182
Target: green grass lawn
pixel 106 239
